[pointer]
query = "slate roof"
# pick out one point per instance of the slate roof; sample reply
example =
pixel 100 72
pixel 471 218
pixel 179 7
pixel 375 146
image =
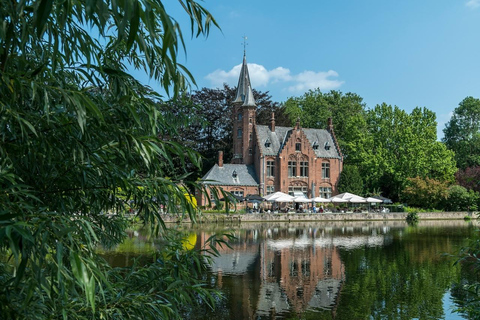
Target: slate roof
pixel 277 140
pixel 244 88
pixel 223 176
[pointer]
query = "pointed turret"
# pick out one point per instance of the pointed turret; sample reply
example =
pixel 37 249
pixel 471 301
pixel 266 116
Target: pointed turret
pixel 244 85
pixel 244 115
pixel 249 99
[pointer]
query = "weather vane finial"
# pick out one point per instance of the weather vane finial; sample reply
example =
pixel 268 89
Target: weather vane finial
pixel 244 44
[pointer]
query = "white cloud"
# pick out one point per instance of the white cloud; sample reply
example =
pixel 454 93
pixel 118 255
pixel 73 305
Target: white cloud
pixel 311 80
pixel 473 3
pixel 261 77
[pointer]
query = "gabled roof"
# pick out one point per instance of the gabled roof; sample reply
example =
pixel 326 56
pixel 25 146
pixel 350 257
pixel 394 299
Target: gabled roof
pixel 314 136
pixel 224 176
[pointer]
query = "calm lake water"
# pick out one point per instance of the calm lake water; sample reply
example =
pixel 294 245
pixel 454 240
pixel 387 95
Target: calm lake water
pixel 371 270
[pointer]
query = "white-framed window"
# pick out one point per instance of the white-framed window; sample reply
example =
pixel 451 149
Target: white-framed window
pixel 270 168
pixel 298 147
pixel 325 170
pixel 303 168
pixel 270 189
pixel 325 192
pixel 292 168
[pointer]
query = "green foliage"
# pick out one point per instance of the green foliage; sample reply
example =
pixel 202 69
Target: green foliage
pixel 461 199
pixel 404 146
pixel 467 293
pixel 350 180
pixel 75 127
pixel 462 133
pixel 412 217
pixel 385 143
pixel 346 110
pixel 425 193
pixel 420 210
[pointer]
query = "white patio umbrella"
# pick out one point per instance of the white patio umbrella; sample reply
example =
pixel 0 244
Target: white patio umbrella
pixel 357 199
pixel 384 200
pixel 337 200
pixel 322 200
pixel 374 200
pixel 302 199
pixel 346 196
pixel 284 198
pixel 274 196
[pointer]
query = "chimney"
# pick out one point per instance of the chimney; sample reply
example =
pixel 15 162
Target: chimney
pixel 220 159
pixel 330 125
pixel 272 124
pixel 297 126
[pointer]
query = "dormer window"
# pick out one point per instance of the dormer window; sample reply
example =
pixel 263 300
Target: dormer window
pixel 315 145
pixel 327 146
pixel 267 143
pixel 235 176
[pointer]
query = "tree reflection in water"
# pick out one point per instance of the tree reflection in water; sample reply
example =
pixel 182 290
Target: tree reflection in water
pixel 375 270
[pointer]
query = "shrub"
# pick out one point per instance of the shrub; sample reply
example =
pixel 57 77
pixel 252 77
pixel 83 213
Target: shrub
pixel 412 217
pixel 425 193
pixel 460 199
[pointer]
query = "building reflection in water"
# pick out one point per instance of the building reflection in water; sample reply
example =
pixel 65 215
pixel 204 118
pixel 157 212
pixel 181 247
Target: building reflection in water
pixel 285 270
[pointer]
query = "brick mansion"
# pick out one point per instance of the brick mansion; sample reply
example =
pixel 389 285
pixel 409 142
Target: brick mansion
pixel 269 158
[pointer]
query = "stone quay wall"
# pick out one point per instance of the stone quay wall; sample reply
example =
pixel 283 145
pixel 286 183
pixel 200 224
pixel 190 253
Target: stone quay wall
pixel 298 217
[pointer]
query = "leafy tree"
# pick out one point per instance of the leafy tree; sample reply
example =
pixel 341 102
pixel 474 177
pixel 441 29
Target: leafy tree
pixel 351 180
pixel 469 178
pixel 346 110
pixel 462 133
pixel 425 193
pixel 401 146
pixel 75 128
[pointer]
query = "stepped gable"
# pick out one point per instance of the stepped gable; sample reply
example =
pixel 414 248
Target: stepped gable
pixel 277 139
pixel 224 176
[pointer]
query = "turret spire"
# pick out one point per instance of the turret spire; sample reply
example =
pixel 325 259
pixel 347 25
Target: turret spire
pixel 249 99
pixel 244 86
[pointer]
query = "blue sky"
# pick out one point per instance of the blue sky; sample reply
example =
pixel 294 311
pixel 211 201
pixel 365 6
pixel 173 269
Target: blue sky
pixel 405 53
